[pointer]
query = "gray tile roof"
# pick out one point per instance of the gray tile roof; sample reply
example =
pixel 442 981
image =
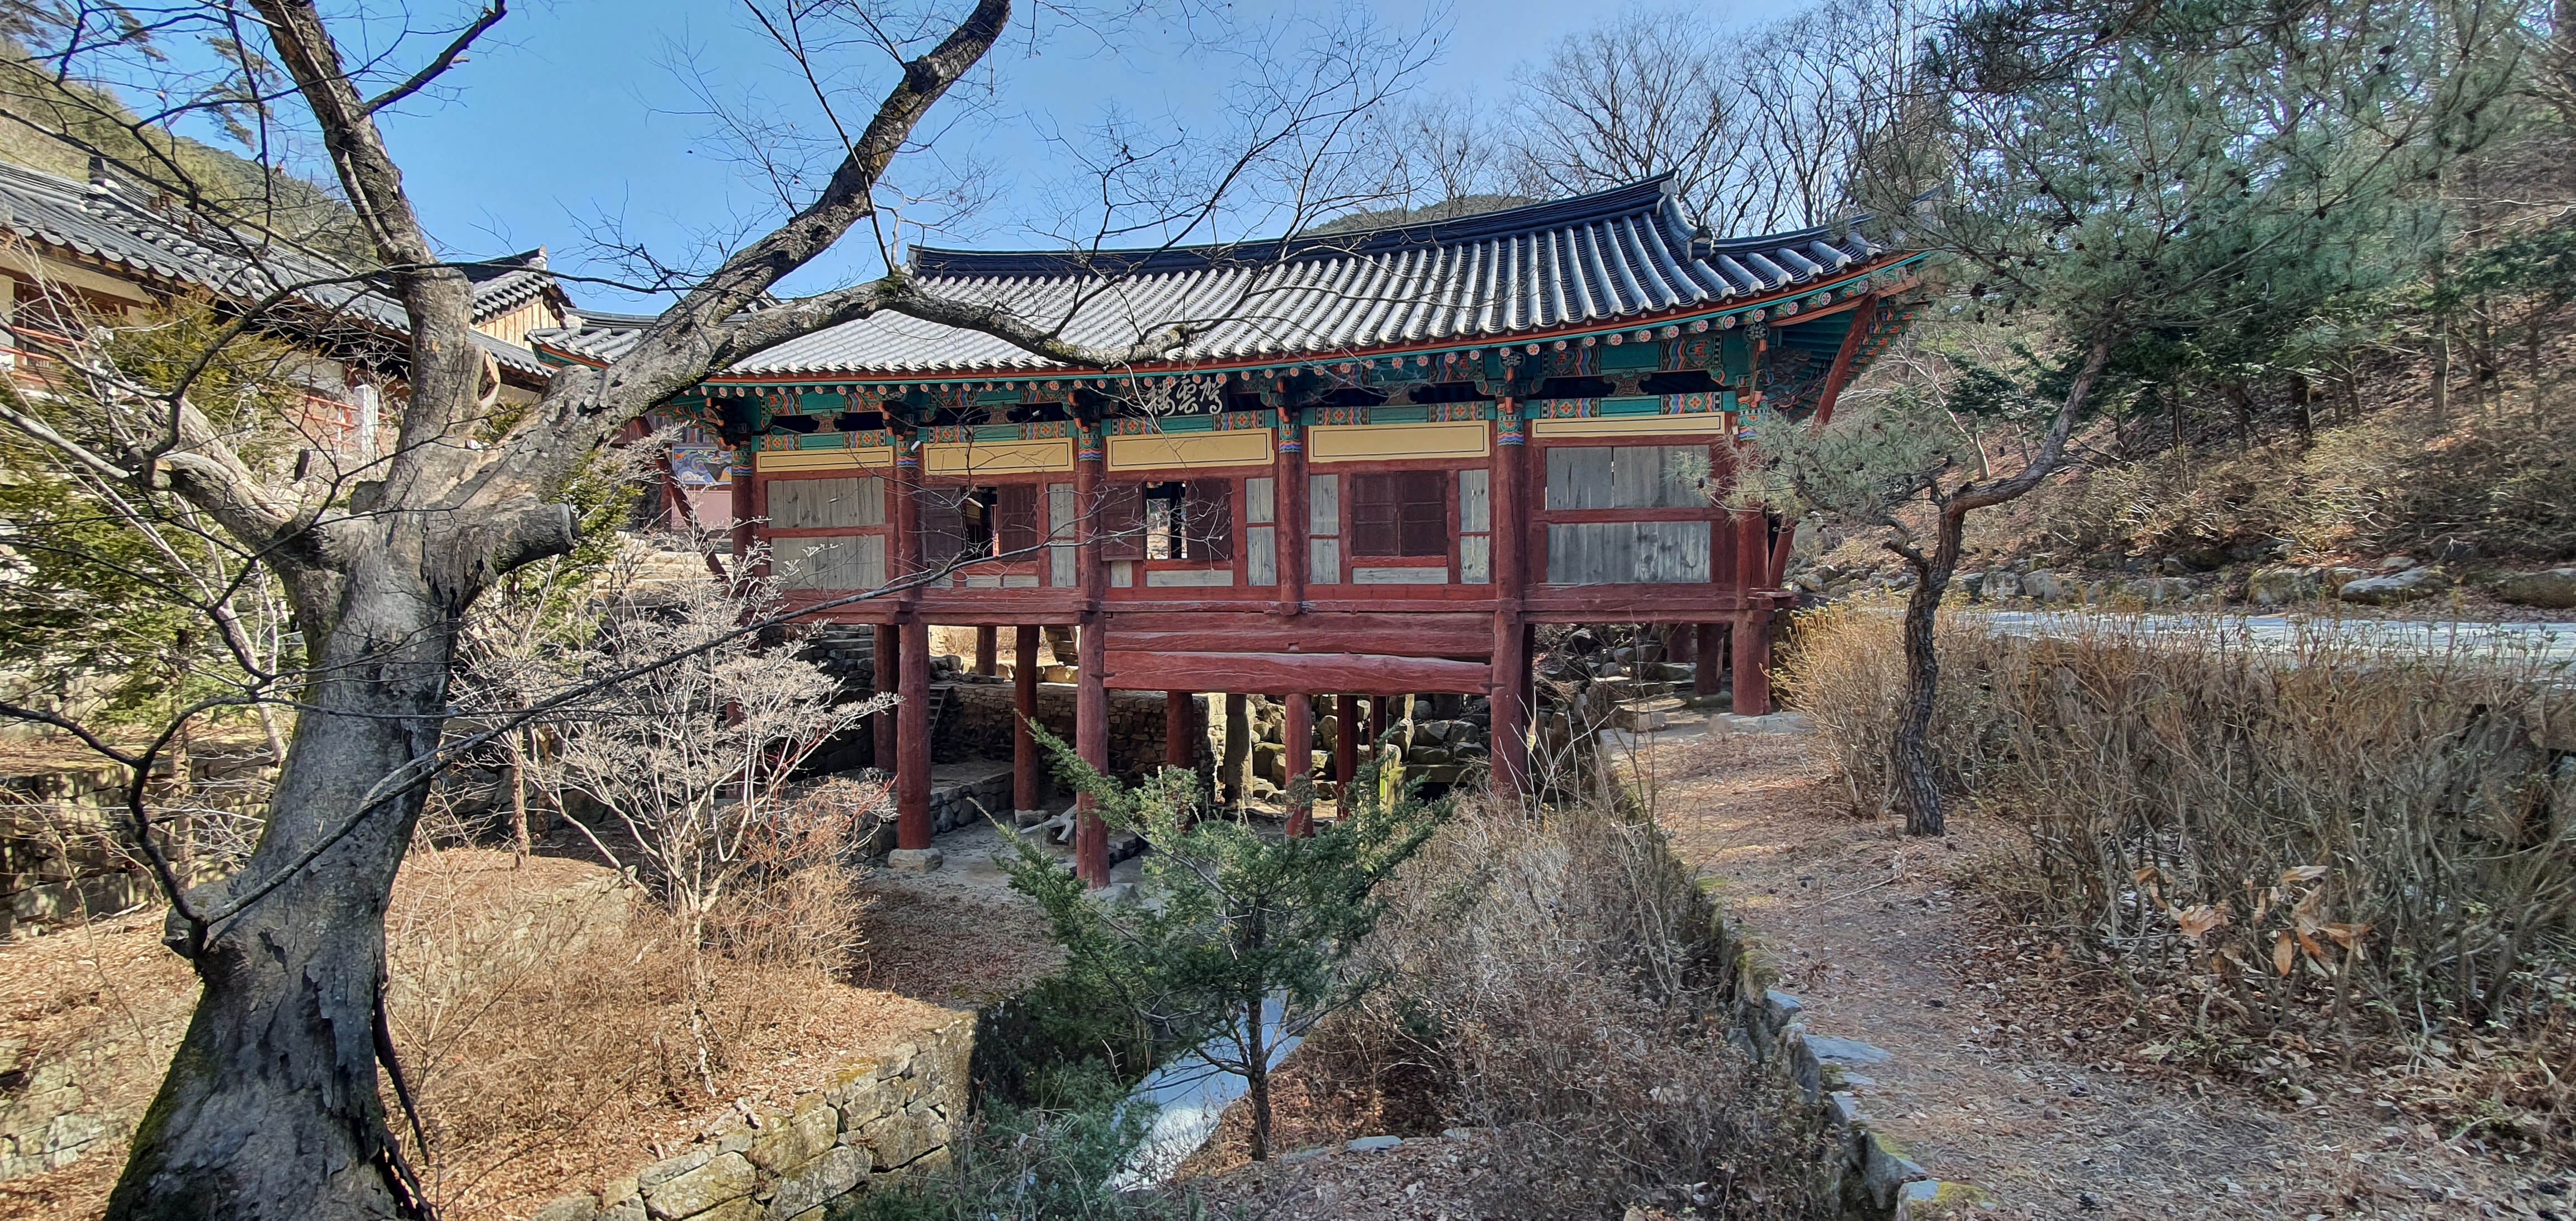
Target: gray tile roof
pixel 1592 260
pixel 116 227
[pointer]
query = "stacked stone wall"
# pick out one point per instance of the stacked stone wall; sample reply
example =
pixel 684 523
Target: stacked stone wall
pixel 876 1120
pixel 64 851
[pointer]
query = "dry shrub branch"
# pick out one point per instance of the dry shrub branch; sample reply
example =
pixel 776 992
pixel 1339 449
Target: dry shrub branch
pixel 1562 969
pixel 2348 832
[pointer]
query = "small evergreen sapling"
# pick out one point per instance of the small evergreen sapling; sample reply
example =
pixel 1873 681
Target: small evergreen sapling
pixel 1232 917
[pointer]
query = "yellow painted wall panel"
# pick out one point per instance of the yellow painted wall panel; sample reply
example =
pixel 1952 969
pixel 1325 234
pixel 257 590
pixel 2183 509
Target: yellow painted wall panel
pixel 768 461
pixel 1633 426
pixel 1155 451
pixel 1389 442
pixel 998 457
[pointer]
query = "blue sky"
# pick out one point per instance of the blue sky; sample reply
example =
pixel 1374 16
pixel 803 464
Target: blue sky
pixel 572 113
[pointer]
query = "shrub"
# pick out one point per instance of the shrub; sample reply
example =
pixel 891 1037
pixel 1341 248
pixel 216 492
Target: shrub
pixel 2348 829
pixel 1564 970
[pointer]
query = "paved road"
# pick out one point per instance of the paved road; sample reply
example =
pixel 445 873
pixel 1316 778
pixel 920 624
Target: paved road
pixel 2551 644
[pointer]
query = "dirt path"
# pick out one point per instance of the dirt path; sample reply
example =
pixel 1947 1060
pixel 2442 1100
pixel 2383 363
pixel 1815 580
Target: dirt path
pixel 2005 1078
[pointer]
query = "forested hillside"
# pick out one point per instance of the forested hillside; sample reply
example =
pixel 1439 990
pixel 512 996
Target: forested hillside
pixel 56 125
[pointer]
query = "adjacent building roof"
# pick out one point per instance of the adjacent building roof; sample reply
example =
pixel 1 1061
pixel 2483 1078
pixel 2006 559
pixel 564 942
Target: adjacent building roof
pixel 117 227
pixel 1595 259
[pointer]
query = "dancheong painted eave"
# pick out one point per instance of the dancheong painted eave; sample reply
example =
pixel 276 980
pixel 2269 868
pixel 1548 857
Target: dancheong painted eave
pixel 1592 266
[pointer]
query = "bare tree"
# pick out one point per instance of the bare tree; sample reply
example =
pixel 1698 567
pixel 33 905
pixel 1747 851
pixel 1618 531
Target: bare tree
pixel 1762 129
pixel 692 760
pixel 1643 94
pixel 271 1107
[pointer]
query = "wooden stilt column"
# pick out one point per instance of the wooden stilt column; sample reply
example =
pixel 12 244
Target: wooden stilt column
pixel 1753 663
pixel 1509 747
pixel 1091 741
pixel 1091 654
pixel 889 670
pixel 1753 627
pixel 988 641
pixel 911 766
pixel 1025 771
pixel 1347 731
pixel 1510 691
pixel 1236 772
pixel 912 828
pixel 1297 744
pixel 1711 650
pixel 1180 739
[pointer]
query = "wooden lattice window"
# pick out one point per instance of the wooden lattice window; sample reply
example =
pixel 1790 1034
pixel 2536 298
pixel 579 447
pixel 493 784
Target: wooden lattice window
pixel 1400 514
pixel 945 533
pixel 1015 517
pixel 1207 520
pixel 1120 526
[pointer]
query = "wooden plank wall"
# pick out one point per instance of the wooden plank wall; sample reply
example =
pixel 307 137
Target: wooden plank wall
pixel 1612 477
pixel 826 504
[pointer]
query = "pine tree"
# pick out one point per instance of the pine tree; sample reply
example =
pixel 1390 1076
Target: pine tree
pixel 1234 920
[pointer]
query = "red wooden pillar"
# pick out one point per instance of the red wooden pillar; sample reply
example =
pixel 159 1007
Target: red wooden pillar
pixel 911 764
pixel 1507 698
pixel 1180 746
pixel 1289 501
pixel 1024 702
pixel 1091 655
pixel 912 827
pixel 988 641
pixel 1753 626
pixel 1753 662
pixel 889 670
pixel 1297 744
pixel 1711 648
pixel 1346 745
pixel 1509 703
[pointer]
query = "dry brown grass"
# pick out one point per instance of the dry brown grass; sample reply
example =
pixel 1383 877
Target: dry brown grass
pixel 543 1014
pixel 2339 849
pixel 1561 969
pixel 108 1000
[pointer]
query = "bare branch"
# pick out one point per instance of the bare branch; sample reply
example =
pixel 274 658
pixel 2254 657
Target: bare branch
pixel 446 59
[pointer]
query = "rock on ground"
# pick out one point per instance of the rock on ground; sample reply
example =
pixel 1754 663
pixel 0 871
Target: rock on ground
pixel 2554 589
pixel 2394 588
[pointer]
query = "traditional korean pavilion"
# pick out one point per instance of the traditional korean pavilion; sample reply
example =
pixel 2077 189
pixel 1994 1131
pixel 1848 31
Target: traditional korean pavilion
pixel 1397 451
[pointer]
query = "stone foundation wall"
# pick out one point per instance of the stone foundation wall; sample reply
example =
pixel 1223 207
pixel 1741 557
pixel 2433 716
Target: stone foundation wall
pixel 979 721
pixel 62 838
pixel 877 1119
pixel 43 1121
pixel 966 805
pixel 1872 1178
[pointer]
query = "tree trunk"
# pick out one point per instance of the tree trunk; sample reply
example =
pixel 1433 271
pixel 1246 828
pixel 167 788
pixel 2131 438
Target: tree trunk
pixel 2303 411
pixel 271 1107
pixel 1256 1076
pixel 1914 786
pixel 2531 353
pixel 2441 379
